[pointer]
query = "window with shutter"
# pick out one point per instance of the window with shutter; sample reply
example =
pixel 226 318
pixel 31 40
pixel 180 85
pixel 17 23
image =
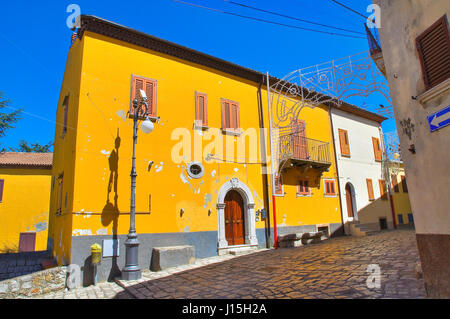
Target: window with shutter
pixel 344 143
pixel 329 187
pixel 382 184
pixel 299 141
pixel 395 183
pixel 66 112
pixel 201 109
pixel 376 149
pixel 303 187
pixel 278 186
pixel 149 86
pixel 2 185
pixel 230 116
pixel 60 194
pixel 404 186
pixel 370 189
pixel 433 46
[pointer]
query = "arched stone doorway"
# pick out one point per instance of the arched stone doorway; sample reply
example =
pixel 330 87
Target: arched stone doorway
pixel 350 202
pixel 234 196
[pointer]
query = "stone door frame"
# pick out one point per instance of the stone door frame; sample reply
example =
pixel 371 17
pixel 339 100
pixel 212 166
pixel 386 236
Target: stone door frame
pixel 249 213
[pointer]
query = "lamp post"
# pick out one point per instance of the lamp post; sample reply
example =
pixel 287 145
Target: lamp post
pixel 131 271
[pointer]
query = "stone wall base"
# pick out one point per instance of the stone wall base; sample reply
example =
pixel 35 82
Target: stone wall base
pixel 38 283
pixel 434 252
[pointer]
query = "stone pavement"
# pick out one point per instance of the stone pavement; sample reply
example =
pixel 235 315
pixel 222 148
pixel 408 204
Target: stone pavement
pixel 336 268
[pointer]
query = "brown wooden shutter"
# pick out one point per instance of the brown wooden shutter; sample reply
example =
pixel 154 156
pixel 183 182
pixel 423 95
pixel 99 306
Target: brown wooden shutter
pixel 66 112
pixel 201 109
pixel 149 86
pixel 333 191
pixel 404 186
pixel 226 115
pixel 395 183
pixel 278 186
pixel 343 142
pixel 382 184
pixel 2 184
pixel 370 188
pixel 150 90
pixel 230 115
pixel 303 187
pixel 306 187
pixel 376 149
pixel 329 188
pixel 60 195
pixel 434 53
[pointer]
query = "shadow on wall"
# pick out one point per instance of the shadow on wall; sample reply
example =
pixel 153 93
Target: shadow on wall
pixel 373 215
pixel 110 214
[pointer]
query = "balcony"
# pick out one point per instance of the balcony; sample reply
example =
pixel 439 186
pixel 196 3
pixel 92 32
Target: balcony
pixel 304 152
pixel 375 49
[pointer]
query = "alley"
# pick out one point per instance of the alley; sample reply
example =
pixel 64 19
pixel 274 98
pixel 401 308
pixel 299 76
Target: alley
pixel 336 268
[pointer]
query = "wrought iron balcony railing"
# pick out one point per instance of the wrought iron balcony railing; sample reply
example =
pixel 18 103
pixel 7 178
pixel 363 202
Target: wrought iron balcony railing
pixel 301 150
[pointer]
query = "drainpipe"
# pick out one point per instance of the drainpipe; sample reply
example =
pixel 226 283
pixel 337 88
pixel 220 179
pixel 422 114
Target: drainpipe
pixel 337 170
pixel 385 162
pixel 264 160
pixel 269 105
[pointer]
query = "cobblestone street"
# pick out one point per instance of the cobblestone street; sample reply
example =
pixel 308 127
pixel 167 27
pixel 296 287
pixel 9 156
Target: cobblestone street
pixel 336 268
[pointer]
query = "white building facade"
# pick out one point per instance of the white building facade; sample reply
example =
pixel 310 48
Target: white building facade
pixel 358 144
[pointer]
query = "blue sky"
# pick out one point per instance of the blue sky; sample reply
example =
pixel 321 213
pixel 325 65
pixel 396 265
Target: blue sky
pixel 34 42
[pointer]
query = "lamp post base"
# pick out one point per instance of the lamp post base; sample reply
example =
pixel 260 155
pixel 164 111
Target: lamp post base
pixel 131 271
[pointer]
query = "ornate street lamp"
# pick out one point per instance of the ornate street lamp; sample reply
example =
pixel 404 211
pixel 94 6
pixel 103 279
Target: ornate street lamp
pixel 131 271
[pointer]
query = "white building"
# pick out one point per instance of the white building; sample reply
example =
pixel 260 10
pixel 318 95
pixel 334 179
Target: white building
pixel 358 144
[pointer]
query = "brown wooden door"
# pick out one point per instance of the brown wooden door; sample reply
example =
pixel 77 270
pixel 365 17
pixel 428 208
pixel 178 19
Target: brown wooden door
pixel 27 242
pixel 234 219
pixel 348 197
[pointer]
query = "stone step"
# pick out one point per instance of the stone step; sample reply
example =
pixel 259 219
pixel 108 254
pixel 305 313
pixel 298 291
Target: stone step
pixel 239 252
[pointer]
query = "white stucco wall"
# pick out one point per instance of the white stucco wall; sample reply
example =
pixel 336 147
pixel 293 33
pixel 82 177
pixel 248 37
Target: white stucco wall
pixel 361 164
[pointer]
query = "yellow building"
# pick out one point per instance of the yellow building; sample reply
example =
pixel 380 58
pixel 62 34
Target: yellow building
pixel 203 174
pixel 400 196
pixel 25 180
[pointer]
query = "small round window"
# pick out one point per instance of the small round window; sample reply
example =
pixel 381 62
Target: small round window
pixel 195 170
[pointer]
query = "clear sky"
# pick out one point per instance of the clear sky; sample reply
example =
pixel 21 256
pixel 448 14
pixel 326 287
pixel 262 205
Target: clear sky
pixel 34 42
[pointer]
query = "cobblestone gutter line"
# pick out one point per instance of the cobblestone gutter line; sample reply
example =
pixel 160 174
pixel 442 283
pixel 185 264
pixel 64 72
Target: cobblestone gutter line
pixel 29 286
pixel 147 275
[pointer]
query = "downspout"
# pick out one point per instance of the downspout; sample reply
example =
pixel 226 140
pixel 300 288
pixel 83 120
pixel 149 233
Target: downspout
pixel 264 161
pixel 385 162
pixel 337 170
pixel 269 105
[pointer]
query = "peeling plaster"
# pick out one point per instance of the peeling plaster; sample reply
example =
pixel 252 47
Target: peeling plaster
pixel 213 173
pixel 159 168
pixel 284 221
pixel 105 152
pixel 81 232
pixel 236 169
pixel 208 198
pixel 186 229
pixel 87 215
pixel 102 231
pixel 41 226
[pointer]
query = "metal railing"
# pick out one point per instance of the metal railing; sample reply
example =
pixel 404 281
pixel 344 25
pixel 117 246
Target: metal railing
pixel 294 146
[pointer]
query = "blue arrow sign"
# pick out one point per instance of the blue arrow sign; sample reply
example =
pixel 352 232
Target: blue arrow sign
pixel 439 119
